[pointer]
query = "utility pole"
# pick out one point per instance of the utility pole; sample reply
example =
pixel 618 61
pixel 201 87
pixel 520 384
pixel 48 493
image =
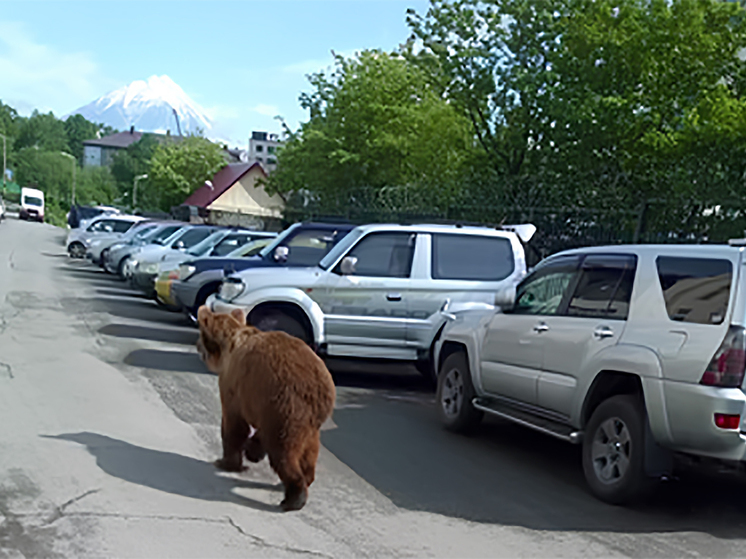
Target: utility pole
pixel 134 190
pixel 4 162
pixel 75 164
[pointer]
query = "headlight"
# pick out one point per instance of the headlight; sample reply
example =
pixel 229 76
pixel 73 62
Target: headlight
pixel 231 288
pixel 149 268
pixel 186 271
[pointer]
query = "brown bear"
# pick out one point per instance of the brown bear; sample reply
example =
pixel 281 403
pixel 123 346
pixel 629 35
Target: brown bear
pixel 275 383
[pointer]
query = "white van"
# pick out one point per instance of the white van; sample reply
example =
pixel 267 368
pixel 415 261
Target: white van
pixel 32 204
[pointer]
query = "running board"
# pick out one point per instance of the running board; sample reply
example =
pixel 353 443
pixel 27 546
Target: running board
pixel 532 421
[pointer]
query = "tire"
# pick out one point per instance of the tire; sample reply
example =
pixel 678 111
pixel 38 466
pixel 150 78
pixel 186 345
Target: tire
pixel 455 394
pixel 102 258
pixel 279 321
pixel 76 250
pixel 614 451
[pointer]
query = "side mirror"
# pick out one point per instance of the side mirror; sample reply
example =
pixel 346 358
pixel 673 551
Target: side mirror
pixel 108 229
pixel 179 245
pixel 505 297
pixel 281 254
pixel 348 265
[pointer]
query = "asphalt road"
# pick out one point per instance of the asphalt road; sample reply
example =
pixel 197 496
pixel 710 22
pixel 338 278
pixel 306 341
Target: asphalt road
pixel 110 423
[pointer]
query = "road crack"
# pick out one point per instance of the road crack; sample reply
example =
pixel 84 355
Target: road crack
pixel 59 511
pixel 264 543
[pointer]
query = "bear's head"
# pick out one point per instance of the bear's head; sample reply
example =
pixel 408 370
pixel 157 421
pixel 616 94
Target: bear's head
pixel 217 335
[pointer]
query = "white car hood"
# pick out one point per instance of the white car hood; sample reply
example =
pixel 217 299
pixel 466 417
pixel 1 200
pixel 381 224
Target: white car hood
pixel 279 276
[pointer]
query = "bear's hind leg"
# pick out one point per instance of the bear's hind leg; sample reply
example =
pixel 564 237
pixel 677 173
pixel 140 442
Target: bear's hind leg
pixel 291 475
pixel 234 431
pixel 309 458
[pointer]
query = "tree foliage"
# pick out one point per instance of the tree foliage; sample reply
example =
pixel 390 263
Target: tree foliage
pixel 177 169
pixel 375 122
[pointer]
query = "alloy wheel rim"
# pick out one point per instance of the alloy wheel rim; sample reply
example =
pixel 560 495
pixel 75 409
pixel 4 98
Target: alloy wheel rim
pixel 611 451
pixel 452 393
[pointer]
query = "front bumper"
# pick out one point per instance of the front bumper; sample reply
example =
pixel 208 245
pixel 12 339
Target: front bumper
pixel 144 282
pixel 219 306
pixel 164 291
pixel 185 293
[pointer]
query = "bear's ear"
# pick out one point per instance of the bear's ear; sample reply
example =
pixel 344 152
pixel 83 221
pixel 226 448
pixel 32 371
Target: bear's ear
pixel 239 315
pixel 203 314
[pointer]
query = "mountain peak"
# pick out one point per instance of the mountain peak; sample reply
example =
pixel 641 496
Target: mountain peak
pixel 149 106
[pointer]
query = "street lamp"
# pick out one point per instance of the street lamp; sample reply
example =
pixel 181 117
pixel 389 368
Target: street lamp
pixel 134 190
pixel 4 165
pixel 74 165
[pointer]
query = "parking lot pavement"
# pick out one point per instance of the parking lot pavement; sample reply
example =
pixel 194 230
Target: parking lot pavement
pixel 110 421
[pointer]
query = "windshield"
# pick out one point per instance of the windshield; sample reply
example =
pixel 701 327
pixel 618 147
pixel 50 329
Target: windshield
pixel 165 234
pixel 191 237
pixel 32 201
pixel 203 247
pixel 250 249
pixel 340 248
pixel 279 240
pixel 141 232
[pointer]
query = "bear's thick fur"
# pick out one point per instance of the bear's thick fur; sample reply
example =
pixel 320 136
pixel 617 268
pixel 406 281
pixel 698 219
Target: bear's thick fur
pixel 274 383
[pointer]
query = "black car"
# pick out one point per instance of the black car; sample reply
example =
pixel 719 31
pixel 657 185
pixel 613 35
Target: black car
pixel 302 244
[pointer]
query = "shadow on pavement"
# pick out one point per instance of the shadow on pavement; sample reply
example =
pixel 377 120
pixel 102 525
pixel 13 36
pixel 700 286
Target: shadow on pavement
pixel 377 375
pixel 123 291
pixel 139 309
pixel 186 337
pixel 177 361
pixel 505 474
pixel 167 471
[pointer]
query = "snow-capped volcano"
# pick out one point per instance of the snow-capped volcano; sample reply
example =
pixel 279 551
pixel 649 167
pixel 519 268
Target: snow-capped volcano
pixel 149 107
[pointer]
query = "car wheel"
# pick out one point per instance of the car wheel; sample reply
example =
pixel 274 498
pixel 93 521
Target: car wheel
pixel 76 250
pixel 102 258
pixel 279 321
pixel 455 394
pixel 614 451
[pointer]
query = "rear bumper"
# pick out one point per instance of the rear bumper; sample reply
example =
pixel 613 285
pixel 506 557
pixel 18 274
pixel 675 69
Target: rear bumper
pixel 691 414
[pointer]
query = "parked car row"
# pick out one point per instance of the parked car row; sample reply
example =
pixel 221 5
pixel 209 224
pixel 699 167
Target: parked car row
pixel 636 353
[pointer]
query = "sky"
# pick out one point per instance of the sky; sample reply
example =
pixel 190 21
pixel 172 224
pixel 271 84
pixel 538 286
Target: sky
pixel 243 61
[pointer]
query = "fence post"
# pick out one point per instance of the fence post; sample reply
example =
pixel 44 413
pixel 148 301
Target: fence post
pixel 640 226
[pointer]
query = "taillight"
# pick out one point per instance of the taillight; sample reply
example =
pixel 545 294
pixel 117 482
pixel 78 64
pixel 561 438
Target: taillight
pixel 727 421
pixel 727 367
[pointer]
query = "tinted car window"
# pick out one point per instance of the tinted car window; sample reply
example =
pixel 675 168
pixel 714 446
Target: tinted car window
pixel 164 233
pixel 542 292
pixel 695 289
pixel 100 225
pixel 604 288
pixel 192 237
pixel 471 257
pixel 122 226
pixel 230 243
pixel 384 255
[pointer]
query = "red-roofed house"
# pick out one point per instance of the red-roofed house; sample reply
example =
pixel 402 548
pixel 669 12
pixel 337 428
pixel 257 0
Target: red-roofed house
pixel 235 191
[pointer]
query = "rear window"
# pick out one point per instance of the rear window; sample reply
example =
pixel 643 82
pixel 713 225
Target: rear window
pixel 471 258
pixel 695 289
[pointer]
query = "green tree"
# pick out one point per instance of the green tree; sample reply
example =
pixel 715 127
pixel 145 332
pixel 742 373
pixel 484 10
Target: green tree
pixel 376 125
pixel 43 131
pixel 178 168
pixel 50 171
pixel 132 162
pixel 79 129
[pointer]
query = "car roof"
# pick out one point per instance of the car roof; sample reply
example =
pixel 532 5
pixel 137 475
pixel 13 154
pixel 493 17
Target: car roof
pixel 438 228
pixel 644 250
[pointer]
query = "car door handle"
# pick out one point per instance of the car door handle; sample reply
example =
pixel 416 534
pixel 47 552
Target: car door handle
pixel 393 296
pixel 541 327
pixel 603 332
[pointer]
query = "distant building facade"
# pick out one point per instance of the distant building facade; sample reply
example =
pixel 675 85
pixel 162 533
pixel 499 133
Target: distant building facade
pixel 262 149
pixel 100 151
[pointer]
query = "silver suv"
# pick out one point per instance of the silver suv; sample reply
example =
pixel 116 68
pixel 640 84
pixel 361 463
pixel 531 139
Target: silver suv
pixel 635 352
pixel 380 291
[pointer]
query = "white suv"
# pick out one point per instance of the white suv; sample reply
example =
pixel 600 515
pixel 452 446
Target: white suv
pixel 635 352
pixel 380 291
